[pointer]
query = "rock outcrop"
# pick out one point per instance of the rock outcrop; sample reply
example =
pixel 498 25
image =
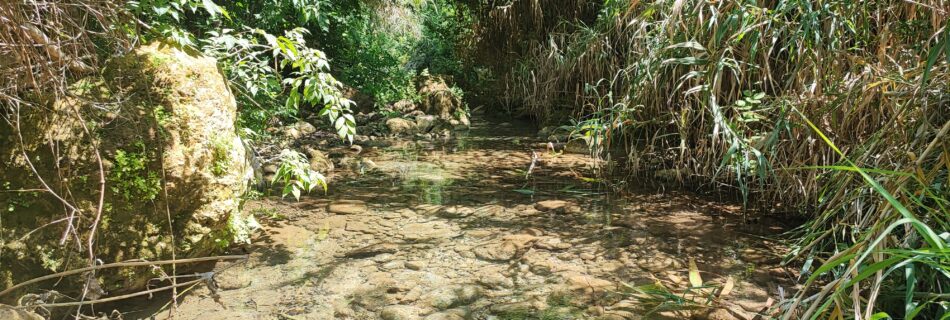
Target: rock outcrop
pixel 162 120
pixel 441 109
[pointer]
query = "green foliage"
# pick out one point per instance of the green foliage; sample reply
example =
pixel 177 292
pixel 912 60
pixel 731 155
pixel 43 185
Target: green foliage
pixel 131 177
pixel 16 199
pixel 172 19
pixel 220 155
pixel 296 176
pixel 270 72
pixel 379 47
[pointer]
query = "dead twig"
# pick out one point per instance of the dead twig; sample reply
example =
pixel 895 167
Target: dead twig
pixel 120 265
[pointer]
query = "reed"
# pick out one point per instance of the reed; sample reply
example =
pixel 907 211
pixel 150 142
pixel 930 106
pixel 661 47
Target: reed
pixel 836 109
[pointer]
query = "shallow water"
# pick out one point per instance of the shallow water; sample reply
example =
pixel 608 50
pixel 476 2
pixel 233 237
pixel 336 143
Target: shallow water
pixel 457 229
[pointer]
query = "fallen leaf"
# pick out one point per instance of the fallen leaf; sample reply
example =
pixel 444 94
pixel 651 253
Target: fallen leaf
pixel 694 279
pixel 727 288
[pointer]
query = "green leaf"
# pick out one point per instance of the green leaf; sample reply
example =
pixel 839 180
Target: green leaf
pixel 932 58
pixel 210 7
pixel 928 234
pixel 296 193
pixel 910 279
pixel 880 315
pixel 688 44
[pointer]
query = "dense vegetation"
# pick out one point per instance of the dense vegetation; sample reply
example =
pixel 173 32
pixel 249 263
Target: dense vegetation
pixel 834 109
pixel 838 111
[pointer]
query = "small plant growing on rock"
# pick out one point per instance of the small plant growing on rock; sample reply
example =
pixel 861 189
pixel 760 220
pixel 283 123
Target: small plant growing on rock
pixel 295 174
pixel 220 158
pixel 131 177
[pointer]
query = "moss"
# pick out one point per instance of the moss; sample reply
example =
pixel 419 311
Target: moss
pixel 130 176
pixel 158 60
pixel 220 155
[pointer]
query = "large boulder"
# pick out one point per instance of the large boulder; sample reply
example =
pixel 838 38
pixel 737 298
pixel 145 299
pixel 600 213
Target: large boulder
pixel 440 100
pixel 162 120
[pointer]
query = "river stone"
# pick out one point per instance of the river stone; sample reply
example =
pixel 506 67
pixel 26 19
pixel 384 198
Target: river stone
pixel 453 212
pixel 404 106
pixel 360 226
pixel 319 162
pixel 426 231
pixel 447 297
pixel 577 146
pixel 300 129
pixel 399 312
pixel 659 262
pixel 558 206
pixel 447 315
pixel 508 248
pixel 11 313
pixel 400 126
pixel 347 207
pixel 587 284
pixel 415 265
pixel 426 123
pixel 493 277
pixel 373 250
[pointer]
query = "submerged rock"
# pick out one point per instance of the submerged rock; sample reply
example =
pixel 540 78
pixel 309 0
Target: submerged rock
pixel 347 207
pixel 508 248
pixel 399 312
pixel 420 232
pixel 557 206
pixel 373 250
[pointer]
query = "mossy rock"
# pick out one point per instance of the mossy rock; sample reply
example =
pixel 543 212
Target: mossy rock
pixel 163 121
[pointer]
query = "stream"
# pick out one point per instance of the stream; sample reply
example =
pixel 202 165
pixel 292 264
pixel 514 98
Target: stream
pixel 459 229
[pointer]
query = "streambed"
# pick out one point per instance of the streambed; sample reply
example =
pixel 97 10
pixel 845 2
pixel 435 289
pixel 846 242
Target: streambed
pixel 457 229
